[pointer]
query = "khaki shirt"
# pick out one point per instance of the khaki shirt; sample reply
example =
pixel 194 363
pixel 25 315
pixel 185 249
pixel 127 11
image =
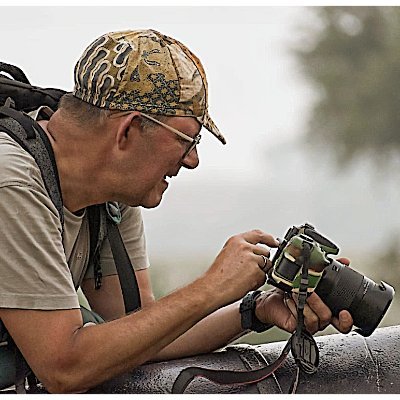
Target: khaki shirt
pixel 37 270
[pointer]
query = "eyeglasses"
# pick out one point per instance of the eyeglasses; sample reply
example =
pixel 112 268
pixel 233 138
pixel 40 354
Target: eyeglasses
pixel 194 141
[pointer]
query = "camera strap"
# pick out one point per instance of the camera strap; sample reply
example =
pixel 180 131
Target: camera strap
pixel 302 345
pixel 228 377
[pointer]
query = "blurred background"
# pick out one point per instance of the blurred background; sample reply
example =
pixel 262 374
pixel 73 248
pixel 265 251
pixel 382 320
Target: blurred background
pixel 308 99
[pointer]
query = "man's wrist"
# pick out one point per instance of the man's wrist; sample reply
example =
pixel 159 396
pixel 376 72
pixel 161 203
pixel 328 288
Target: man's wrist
pixel 247 309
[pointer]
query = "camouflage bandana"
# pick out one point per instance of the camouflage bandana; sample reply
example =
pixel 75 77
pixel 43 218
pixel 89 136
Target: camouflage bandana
pixel 145 71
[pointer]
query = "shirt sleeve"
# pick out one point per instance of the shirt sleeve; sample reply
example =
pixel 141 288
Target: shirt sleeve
pixel 34 273
pixel 33 270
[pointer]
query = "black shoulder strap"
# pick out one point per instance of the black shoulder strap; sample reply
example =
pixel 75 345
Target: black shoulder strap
pixel 25 96
pixel 103 222
pixel 95 224
pixel 28 133
pixel 15 72
pixel 126 273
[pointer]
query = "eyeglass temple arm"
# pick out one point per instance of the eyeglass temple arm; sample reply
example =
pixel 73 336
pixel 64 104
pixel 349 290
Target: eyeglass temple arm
pixel 181 134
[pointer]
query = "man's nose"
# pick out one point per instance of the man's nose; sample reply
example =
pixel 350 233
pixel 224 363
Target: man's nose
pixel 191 161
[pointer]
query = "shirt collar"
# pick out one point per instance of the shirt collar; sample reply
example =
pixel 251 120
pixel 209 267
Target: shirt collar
pixel 42 113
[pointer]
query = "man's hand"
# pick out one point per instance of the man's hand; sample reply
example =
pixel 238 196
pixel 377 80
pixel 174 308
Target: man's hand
pixel 279 308
pixel 241 265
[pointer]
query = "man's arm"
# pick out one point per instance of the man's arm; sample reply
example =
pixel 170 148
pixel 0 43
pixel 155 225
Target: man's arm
pixel 211 333
pixel 69 358
pixel 108 300
pixel 224 325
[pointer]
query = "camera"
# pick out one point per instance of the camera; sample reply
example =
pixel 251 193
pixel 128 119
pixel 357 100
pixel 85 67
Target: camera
pixel 339 286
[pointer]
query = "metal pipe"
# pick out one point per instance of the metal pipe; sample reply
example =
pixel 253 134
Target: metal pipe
pixel 348 364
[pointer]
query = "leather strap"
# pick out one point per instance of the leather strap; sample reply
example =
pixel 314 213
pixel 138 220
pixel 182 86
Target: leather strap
pixel 228 377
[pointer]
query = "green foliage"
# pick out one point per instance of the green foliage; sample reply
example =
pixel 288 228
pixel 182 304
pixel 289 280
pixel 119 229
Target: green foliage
pixel 352 57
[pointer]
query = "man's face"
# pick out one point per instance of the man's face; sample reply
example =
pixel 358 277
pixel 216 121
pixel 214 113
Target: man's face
pixel 163 157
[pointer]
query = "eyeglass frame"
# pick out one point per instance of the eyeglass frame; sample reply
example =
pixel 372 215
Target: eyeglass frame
pixel 194 141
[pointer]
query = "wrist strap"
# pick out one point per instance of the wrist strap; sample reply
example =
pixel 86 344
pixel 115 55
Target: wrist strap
pixel 248 316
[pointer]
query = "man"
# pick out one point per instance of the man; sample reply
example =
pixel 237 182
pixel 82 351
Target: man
pixel 132 122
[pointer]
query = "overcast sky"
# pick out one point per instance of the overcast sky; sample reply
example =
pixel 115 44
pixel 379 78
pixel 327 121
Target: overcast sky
pixel 257 98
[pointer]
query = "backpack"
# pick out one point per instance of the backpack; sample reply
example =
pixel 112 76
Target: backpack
pixel 17 97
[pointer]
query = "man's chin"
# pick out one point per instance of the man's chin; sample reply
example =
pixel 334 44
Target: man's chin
pixel 151 203
pixel 153 198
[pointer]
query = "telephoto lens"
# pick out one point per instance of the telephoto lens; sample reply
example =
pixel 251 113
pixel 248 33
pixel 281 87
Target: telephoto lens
pixel 343 288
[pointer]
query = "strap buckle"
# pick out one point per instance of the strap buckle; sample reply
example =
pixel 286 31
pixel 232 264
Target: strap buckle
pixel 114 212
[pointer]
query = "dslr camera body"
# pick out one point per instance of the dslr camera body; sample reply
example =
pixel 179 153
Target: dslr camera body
pixel 339 286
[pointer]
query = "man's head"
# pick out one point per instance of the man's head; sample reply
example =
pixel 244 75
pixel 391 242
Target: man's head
pixel 149 92
pixel 146 71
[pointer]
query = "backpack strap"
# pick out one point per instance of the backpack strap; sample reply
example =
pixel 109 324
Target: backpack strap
pixel 24 120
pixel 95 225
pixel 103 223
pixel 126 272
pixel 15 72
pixel 26 96
pixel 31 137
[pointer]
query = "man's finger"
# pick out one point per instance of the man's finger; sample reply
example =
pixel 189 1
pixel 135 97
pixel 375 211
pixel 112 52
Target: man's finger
pixel 343 260
pixel 344 322
pixel 291 305
pixel 320 309
pixel 256 236
pixel 261 251
pixel 311 320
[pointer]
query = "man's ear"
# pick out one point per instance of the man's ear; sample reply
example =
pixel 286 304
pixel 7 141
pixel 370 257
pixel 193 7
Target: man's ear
pixel 126 127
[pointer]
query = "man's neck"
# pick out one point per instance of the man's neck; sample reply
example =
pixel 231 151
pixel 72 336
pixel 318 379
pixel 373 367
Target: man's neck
pixel 79 166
